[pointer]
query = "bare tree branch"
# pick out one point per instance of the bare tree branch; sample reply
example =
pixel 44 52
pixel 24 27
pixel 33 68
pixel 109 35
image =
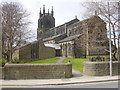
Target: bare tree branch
pixel 102 10
pixel 14 27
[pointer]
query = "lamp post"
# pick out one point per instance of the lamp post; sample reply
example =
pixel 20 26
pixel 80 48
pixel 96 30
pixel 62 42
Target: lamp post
pixel 87 42
pixel 110 42
pixel 118 47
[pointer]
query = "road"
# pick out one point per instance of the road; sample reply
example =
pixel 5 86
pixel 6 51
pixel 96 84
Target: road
pixel 110 84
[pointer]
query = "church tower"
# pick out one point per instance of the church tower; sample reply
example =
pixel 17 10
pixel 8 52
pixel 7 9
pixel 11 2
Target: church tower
pixel 45 22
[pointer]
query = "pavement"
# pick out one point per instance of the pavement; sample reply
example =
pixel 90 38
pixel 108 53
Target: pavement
pixel 64 81
pixel 61 59
pixel 78 78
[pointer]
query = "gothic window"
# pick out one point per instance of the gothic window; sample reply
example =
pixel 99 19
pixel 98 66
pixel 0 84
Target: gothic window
pixel 41 25
pixel 48 24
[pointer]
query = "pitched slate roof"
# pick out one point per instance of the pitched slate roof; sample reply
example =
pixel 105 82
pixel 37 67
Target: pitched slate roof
pixel 53 37
pixel 70 38
pixel 72 21
pixel 56 46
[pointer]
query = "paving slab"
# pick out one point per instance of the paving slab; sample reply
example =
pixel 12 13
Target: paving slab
pixel 73 80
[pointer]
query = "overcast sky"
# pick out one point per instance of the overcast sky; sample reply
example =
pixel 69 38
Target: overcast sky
pixel 64 10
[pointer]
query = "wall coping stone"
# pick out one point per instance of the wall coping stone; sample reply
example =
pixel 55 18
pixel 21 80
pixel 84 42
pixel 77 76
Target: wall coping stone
pixel 51 64
pixel 102 62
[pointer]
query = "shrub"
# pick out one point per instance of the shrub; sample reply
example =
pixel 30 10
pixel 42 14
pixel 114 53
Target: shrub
pixel 21 62
pixel 3 62
pixel 97 59
pixel 15 61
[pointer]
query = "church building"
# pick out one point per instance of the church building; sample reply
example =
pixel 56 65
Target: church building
pixel 74 38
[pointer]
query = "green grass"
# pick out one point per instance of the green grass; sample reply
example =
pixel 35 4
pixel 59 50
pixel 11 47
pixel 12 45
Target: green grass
pixel 50 60
pixel 77 64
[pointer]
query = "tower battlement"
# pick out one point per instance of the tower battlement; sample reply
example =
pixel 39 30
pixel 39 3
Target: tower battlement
pixel 45 22
pixel 44 12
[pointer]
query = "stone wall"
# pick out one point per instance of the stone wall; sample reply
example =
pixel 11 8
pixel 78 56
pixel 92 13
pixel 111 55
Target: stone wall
pixel 62 29
pixel 64 50
pixel 67 49
pixel 38 71
pixel 94 35
pixel 54 31
pixel 35 51
pixel 46 52
pixel 1 72
pixel 97 36
pixel 25 53
pixel 101 68
pixel 76 28
pixel 80 47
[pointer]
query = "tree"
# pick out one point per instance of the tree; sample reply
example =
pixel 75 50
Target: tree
pixel 0 34
pixel 14 28
pixel 101 8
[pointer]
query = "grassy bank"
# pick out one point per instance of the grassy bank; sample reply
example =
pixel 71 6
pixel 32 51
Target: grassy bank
pixel 50 60
pixel 77 64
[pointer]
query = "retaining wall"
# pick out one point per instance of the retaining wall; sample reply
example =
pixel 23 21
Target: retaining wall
pixel 1 72
pixel 101 68
pixel 38 71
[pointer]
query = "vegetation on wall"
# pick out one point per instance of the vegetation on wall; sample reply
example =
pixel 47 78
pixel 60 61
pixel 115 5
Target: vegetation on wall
pixel 3 62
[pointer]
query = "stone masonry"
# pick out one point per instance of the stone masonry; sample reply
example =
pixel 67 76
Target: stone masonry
pixel 101 68
pixel 1 72
pixel 38 71
pixel 35 51
pixel 76 38
pixel 25 53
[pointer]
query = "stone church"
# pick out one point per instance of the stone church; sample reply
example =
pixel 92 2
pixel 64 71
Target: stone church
pixel 74 38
